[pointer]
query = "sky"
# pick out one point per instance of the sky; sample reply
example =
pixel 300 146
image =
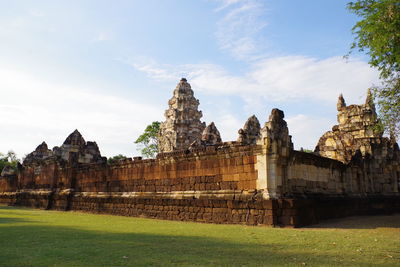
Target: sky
pixel 108 68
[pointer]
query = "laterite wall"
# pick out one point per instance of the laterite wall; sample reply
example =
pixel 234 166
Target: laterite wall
pixel 216 184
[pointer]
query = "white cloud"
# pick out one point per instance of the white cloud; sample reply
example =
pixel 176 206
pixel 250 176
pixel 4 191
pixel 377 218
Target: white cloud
pixel 238 29
pixel 290 78
pixel 34 110
pixel 103 36
pixel 155 72
pixel 306 130
pixel 36 12
pixel 225 3
pixel 228 126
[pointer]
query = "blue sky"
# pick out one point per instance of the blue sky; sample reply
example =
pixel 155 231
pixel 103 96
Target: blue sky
pixel 108 68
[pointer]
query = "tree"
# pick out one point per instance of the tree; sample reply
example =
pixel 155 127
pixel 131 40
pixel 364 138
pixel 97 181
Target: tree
pixel 116 158
pixel 378 35
pixel 9 159
pixel 148 141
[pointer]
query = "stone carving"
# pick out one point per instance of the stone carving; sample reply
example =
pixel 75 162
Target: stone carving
pixel 41 152
pixel 341 103
pixel 74 144
pixel 182 126
pixel 273 159
pixel 356 131
pixel 87 152
pixel 8 171
pixel 211 135
pixel 276 129
pixel 250 132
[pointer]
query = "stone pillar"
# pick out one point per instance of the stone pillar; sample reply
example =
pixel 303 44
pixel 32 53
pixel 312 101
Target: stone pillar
pixel 276 144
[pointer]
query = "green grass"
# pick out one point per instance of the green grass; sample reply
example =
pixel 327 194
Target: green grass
pixel 50 238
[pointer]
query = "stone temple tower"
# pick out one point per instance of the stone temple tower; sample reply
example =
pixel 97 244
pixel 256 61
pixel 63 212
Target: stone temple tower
pixel 356 131
pixel 182 126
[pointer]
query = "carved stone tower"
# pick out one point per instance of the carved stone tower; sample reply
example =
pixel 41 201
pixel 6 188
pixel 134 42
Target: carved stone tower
pixel 182 126
pixel 355 131
pixel 250 132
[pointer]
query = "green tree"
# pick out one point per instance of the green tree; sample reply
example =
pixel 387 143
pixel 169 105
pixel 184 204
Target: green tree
pixel 115 159
pixel 377 34
pixel 306 150
pixel 8 159
pixel 148 140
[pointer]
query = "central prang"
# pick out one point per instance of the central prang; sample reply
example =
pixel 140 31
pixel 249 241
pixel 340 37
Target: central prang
pixel 182 126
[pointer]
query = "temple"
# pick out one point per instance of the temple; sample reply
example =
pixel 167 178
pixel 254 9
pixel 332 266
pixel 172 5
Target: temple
pixel 258 179
pixel 182 126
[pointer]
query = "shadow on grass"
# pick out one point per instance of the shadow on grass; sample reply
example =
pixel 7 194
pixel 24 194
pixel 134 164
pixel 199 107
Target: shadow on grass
pixel 12 220
pixel 42 245
pixel 11 210
pixel 360 222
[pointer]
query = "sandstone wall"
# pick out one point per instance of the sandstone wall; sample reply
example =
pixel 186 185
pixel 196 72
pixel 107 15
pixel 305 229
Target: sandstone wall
pixel 208 184
pixel 8 183
pixel 211 184
pixel 217 168
pixel 218 184
pixel 308 174
pixel 8 187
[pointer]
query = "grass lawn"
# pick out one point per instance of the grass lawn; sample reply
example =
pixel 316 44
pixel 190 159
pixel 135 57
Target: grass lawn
pixel 50 238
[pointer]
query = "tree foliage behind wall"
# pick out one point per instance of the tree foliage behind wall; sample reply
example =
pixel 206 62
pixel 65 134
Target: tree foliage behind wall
pixel 8 159
pixel 116 158
pixel 148 141
pixel 377 33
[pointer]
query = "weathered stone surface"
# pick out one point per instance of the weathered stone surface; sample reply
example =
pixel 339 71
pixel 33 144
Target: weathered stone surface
pixel 250 132
pixel 273 160
pixel 75 144
pixel 276 129
pixel 371 159
pixel 40 153
pixel 74 149
pixel 356 131
pixel 341 103
pixel 8 171
pixel 182 126
pixel 211 135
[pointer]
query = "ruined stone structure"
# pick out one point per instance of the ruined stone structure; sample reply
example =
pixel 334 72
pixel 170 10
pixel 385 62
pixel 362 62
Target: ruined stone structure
pixel 250 132
pixel 182 126
pixel 211 135
pixel 355 132
pixel 73 146
pixel 258 179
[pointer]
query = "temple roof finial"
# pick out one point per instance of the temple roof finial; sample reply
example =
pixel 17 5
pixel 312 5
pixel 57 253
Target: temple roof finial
pixel 341 103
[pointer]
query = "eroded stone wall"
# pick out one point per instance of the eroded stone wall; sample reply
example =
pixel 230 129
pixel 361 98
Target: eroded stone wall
pixel 372 161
